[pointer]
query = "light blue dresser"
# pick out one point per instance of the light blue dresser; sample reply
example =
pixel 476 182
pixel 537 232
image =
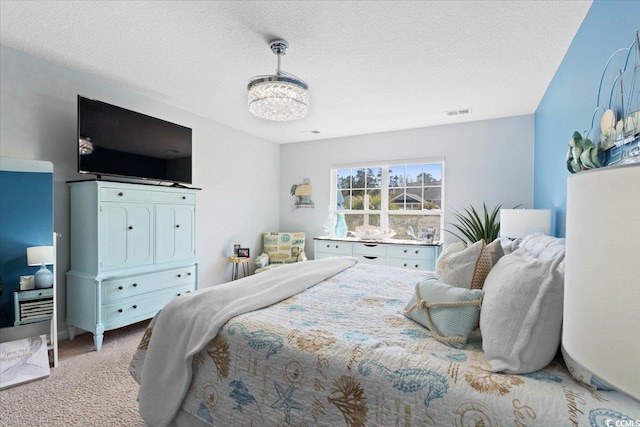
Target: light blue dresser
pixel 132 251
pixel 395 253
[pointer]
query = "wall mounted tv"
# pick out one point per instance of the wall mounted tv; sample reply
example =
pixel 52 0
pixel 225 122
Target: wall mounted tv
pixel 114 141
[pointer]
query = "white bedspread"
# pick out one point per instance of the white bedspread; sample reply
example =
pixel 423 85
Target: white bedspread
pixel 187 324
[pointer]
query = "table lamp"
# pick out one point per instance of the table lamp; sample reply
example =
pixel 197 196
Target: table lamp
pixel 42 256
pixel 518 223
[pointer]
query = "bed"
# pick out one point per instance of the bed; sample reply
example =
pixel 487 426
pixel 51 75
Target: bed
pixel 342 353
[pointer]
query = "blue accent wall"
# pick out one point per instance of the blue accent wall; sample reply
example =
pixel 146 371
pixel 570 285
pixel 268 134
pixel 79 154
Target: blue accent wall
pixel 570 99
pixel 26 218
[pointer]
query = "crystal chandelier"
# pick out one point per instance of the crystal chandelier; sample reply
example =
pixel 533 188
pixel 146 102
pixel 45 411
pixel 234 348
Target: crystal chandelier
pixel 280 97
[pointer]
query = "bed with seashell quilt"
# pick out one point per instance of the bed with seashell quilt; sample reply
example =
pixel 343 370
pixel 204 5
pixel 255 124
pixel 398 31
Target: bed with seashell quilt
pixel 347 351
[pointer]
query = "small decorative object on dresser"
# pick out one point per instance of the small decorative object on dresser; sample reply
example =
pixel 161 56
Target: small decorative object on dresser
pixel 243 252
pixel 132 251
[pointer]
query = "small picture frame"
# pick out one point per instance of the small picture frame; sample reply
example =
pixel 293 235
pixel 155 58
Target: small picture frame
pixel 236 246
pixel 243 252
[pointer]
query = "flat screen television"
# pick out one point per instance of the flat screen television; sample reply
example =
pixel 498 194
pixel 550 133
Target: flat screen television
pixel 114 141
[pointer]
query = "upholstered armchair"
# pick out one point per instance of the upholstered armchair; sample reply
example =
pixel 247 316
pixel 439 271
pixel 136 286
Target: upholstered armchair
pixel 280 248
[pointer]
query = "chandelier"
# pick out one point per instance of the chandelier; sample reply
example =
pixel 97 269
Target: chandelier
pixel 280 97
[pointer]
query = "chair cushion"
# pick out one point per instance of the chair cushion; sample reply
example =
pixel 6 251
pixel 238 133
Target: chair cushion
pixel 283 247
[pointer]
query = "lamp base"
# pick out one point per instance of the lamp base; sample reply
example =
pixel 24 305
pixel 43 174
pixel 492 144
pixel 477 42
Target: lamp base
pixel 43 278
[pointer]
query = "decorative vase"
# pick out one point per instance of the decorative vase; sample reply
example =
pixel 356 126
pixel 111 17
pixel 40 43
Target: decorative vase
pixel 330 224
pixel 341 226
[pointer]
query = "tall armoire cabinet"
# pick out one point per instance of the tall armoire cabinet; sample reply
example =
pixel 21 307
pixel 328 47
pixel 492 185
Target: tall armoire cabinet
pixel 132 251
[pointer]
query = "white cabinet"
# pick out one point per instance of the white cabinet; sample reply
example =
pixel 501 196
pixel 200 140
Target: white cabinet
pixel 132 251
pixel 404 254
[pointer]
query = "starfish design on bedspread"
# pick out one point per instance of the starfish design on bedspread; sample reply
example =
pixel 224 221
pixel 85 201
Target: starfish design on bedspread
pixel 286 402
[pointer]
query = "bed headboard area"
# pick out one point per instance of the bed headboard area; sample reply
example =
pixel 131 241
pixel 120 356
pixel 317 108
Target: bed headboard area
pixel 602 279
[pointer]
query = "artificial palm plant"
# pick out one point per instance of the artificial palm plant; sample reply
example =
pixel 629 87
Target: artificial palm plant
pixel 474 227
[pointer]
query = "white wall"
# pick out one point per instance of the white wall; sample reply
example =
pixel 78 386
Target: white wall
pixel 235 170
pixel 487 161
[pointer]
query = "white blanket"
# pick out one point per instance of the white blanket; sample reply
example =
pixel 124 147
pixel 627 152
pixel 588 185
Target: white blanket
pixel 185 326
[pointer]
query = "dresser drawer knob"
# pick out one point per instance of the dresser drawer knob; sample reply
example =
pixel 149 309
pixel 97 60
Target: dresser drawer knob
pixel 120 194
pixel 188 292
pixel 189 274
pixel 184 197
pixel 405 264
pixel 120 287
pixel 417 252
pixel 405 251
pixel 135 306
pixel 135 285
pixel 119 310
pixel 177 225
pixel 130 227
pixel 179 275
pixel 416 265
pixel 39 293
pixel 179 294
pixel 337 246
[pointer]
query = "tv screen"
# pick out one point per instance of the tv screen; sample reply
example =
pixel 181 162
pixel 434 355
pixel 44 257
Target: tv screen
pixel 114 141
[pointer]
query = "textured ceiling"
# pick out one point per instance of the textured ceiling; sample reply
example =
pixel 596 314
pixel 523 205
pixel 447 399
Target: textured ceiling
pixel 372 66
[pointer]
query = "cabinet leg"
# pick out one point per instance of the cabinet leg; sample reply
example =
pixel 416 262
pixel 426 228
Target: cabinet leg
pixel 71 330
pixel 97 341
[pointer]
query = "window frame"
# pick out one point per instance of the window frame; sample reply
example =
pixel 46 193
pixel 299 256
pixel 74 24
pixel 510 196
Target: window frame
pixel 384 211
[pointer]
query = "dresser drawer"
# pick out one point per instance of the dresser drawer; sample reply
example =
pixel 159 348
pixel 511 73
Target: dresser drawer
pixel 142 306
pixel 130 195
pixel 334 248
pixel 422 252
pixel 131 286
pixel 412 263
pixel 372 259
pixel 373 249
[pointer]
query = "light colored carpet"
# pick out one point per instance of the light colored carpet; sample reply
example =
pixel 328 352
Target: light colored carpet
pixel 88 388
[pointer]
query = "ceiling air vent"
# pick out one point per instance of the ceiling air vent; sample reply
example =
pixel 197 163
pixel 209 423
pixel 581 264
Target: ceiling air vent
pixel 459 112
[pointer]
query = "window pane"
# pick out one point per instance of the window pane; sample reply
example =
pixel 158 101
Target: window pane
pixel 433 174
pixel 357 200
pixel 400 223
pixel 356 220
pixel 413 175
pixel 396 199
pixel 341 197
pixel 374 177
pixel 344 178
pixel 432 197
pixel 396 176
pixel 374 198
pixel 359 178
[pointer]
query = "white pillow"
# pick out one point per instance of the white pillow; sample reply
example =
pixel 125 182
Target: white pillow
pixel 462 266
pixel 521 315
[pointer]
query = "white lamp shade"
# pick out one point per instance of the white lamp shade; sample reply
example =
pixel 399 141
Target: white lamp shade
pixel 40 255
pixel 602 288
pixel 518 223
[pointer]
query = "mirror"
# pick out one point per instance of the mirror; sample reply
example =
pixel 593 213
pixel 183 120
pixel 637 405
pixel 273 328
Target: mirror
pixel 26 220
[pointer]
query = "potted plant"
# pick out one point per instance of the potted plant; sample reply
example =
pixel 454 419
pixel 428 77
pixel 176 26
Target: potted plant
pixel 474 226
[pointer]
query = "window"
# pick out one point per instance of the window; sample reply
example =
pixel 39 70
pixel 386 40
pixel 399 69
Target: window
pixel 405 196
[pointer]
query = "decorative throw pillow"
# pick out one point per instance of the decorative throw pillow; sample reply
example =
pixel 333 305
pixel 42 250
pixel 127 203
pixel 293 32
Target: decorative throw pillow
pixel 450 313
pixel 496 251
pixel 521 318
pixel 582 374
pixel 462 266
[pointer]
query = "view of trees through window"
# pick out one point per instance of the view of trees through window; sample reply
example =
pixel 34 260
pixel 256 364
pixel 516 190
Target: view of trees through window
pixel 392 197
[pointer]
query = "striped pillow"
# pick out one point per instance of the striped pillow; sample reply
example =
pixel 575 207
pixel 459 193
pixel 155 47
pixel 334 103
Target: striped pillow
pixel 450 313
